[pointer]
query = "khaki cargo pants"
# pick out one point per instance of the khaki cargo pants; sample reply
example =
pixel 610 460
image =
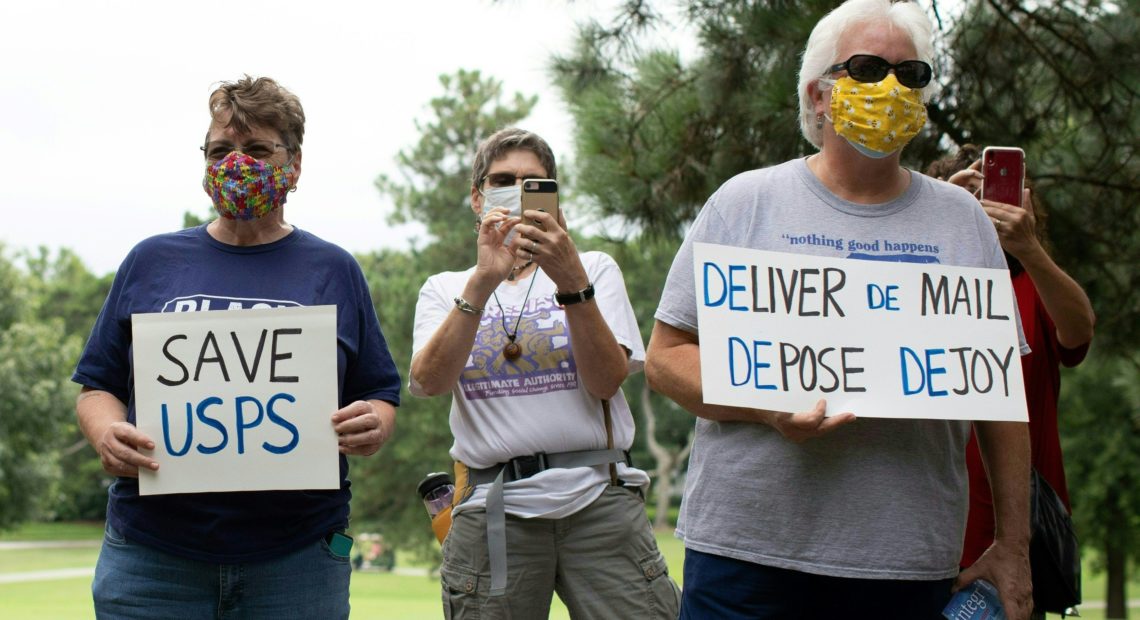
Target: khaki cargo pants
pixel 602 561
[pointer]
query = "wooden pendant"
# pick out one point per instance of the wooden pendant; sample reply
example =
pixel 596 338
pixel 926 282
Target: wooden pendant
pixel 512 351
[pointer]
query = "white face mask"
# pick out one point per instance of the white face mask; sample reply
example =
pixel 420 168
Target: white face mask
pixel 509 198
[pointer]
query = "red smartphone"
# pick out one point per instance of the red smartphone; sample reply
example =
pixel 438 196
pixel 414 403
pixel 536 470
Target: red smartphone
pixel 1003 174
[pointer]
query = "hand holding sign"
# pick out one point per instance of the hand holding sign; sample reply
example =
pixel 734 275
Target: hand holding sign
pixel 800 427
pixel 118 443
pixel 119 447
pixel 364 426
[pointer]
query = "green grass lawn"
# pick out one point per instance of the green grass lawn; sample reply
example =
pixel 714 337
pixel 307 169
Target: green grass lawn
pixel 81 530
pixel 28 560
pixel 373 594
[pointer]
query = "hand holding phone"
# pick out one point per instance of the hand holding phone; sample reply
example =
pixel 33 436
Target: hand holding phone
pixel 1003 174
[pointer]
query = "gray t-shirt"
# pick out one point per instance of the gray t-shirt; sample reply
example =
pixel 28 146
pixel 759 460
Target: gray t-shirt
pixel 878 498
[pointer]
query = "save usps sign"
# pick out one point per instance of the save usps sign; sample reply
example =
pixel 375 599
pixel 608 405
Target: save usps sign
pixel 237 400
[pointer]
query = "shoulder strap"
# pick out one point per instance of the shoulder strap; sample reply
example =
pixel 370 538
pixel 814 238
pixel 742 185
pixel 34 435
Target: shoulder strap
pixel 610 439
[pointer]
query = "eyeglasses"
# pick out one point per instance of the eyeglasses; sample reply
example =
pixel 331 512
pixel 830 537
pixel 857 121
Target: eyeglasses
pixel 503 179
pixel 257 149
pixel 868 68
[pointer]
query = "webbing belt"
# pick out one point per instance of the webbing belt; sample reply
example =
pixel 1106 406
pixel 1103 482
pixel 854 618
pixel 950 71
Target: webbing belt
pixel 518 469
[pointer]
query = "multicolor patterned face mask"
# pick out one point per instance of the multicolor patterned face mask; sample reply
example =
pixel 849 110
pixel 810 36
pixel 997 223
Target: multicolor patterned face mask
pixel 244 188
pixel 877 118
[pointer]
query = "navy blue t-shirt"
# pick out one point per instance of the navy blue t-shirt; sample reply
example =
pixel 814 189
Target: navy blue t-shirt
pixel 191 271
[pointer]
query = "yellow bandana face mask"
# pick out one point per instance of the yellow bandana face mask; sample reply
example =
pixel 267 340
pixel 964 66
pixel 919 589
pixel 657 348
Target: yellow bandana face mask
pixel 877 118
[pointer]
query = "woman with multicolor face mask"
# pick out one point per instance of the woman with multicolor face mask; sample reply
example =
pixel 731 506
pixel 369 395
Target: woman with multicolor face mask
pixel 810 515
pixel 271 554
pixel 533 343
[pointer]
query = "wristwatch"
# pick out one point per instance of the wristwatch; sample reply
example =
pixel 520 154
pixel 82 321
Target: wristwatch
pixel 466 307
pixel 577 297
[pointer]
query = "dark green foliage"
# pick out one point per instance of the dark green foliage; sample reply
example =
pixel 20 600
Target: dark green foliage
pixel 435 186
pixel 655 136
pixel 62 291
pixel 1059 80
pixel 384 485
pixel 64 288
pixel 1100 434
pixel 48 305
pixel 35 413
pixel 645 263
pixel 189 220
pixel 12 304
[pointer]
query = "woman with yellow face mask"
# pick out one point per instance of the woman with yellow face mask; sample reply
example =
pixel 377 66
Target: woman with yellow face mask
pixel 815 514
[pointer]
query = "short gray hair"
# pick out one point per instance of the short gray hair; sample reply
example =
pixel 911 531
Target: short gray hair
pixel 501 142
pixel 823 44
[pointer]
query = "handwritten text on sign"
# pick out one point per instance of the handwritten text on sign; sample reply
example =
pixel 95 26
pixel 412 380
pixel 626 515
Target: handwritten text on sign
pixel 237 400
pixel 879 339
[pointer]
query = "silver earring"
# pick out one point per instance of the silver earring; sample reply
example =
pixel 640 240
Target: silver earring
pixel 477 223
pixel 819 121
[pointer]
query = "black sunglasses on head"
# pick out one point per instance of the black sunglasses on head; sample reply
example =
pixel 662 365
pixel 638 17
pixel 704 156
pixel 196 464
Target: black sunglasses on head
pixel 868 68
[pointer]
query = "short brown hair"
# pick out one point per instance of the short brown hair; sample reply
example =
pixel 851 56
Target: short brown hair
pixel 512 138
pixel 945 168
pixel 260 102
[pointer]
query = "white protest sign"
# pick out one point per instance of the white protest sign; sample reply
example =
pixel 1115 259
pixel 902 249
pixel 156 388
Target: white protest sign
pixel 879 339
pixel 237 400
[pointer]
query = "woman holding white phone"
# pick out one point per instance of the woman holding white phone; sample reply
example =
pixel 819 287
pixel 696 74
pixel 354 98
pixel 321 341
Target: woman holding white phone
pixel 533 343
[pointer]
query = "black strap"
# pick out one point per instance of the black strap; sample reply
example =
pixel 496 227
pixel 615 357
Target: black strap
pixel 523 467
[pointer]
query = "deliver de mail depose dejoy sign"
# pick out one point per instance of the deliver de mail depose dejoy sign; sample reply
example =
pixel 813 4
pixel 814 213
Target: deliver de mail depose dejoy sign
pixel 780 331
pixel 237 400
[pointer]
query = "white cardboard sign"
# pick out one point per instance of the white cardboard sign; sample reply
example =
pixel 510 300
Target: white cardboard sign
pixel 780 331
pixel 237 400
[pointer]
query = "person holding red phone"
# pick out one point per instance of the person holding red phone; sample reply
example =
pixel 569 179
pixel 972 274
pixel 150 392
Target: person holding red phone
pixel 1058 321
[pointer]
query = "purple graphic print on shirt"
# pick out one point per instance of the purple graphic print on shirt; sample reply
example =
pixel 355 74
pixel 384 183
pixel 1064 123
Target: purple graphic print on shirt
pixel 546 364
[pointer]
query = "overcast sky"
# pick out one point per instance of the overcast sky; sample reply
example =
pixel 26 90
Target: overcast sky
pixel 104 104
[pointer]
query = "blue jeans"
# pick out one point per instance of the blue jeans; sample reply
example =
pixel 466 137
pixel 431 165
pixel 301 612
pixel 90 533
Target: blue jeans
pixel 729 589
pixel 136 581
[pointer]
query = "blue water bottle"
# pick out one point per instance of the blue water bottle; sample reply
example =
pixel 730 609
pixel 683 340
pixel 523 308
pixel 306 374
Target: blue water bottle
pixel 977 601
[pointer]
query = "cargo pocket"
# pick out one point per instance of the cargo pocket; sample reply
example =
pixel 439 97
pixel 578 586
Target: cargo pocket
pixel 664 597
pixel 460 586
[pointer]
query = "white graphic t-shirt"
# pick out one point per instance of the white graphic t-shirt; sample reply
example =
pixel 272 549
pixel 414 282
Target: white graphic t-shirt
pixel 502 409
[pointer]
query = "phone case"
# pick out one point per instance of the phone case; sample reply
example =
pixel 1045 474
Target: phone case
pixel 340 544
pixel 1003 174
pixel 540 194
